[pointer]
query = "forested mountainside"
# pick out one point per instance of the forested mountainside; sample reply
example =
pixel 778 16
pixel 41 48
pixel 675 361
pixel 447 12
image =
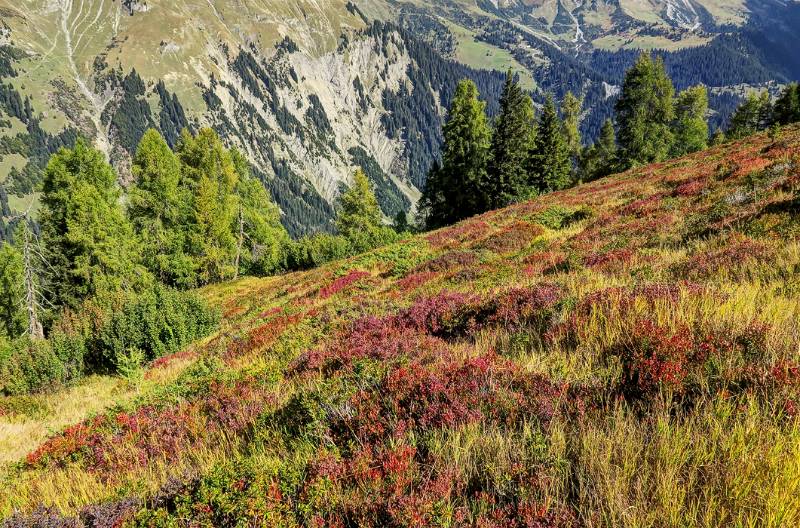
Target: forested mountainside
pixel 310 90
pixel 622 353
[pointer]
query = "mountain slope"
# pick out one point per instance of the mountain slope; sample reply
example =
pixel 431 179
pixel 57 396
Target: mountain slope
pixel 310 90
pixel 621 353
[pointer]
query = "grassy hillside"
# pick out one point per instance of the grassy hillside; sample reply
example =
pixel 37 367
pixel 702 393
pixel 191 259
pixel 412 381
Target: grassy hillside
pixel 624 353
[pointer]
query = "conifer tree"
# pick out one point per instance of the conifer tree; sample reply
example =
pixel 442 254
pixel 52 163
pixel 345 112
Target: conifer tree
pixel 210 174
pixel 601 158
pixel 512 142
pixel 90 244
pixel 159 210
pixel 645 113
pixel 550 163
pixel 787 107
pixel 752 116
pixel 261 238
pixel 12 292
pixel 571 108
pixel 359 219
pixel 690 127
pixel 456 189
pixel 359 210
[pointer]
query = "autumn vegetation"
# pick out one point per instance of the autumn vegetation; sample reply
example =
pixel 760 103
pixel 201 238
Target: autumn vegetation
pixel 621 353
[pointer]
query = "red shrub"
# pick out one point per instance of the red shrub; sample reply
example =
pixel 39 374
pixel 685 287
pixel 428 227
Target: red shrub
pixel 342 283
pixel 512 238
pixel 447 261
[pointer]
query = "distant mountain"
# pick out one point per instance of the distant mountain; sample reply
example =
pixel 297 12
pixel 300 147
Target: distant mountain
pixel 310 89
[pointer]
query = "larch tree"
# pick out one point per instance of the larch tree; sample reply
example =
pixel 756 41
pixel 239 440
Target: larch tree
pixel 690 127
pixel 90 244
pixel 571 108
pixel 645 113
pixel 159 209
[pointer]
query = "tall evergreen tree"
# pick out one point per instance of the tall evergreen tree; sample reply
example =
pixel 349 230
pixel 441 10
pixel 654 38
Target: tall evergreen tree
pixel 261 238
pixel 752 116
pixel 571 108
pixel 90 244
pixel 359 210
pixel 690 127
pixel 159 210
pixel 645 112
pixel 12 292
pixel 787 107
pixel 456 189
pixel 550 166
pixel 601 158
pixel 512 142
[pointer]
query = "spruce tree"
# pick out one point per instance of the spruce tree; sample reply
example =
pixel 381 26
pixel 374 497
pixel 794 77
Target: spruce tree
pixel 787 107
pixel 456 191
pixel 645 113
pixel 690 127
pixel 90 244
pixel 512 142
pixel 12 292
pixel 550 166
pixel 571 108
pixel 752 116
pixel 601 158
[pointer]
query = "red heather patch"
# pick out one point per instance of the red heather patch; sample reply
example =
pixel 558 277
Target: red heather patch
pixel 342 283
pixel 512 238
pixel 462 233
pixel 644 206
pixel 415 280
pixel 447 262
pixel 613 260
pixel 449 394
pixel 737 252
pixel 691 188
pixel 164 361
pixel 447 314
pixel 110 444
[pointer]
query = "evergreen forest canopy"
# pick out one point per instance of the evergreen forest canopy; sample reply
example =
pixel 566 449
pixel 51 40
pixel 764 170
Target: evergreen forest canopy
pixel 485 167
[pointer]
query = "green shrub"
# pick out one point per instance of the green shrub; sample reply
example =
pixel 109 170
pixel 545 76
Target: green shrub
pixel 110 335
pixel 31 366
pixel 157 322
pixel 316 250
pixel 558 217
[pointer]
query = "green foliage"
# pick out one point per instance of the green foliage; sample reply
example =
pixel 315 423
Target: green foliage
pixel 313 251
pixel 752 116
pixel 262 240
pixel 550 166
pixel 512 142
pixel 571 108
pixel 12 292
pixel 90 244
pixel 158 208
pixel 211 175
pixel 558 217
pixel 601 158
pixel 157 322
pixel 31 366
pixel 454 190
pixel 359 209
pixel 690 126
pixel 787 106
pixel 645 112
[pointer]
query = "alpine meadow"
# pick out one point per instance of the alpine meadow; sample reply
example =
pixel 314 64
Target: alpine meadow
pixel 399 263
